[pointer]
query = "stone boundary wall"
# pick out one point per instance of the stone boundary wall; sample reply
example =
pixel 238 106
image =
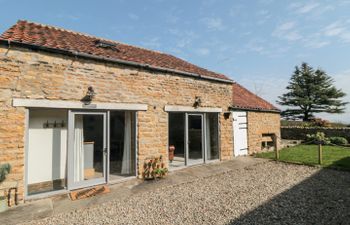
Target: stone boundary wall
pixel 299 133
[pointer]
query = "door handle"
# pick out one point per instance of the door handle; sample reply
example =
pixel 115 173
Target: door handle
pixel 105 150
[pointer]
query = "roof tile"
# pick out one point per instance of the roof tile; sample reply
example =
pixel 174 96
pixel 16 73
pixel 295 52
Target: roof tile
pixel 244 99
pixel 57 38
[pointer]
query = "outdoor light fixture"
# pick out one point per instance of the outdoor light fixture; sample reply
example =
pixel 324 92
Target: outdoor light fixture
pixel 90 94
pixel 197 102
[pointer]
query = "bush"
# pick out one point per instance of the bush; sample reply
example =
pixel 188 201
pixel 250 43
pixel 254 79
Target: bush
pixel 318 138
pixel 4 170
pixel 318 122
pixel 338 140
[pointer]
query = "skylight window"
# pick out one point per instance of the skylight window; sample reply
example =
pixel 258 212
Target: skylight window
pixel 105 44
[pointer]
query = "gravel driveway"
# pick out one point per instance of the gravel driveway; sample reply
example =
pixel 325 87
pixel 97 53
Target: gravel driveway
pixel 267 193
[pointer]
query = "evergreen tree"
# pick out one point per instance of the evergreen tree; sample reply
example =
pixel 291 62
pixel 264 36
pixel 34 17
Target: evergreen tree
pixel 311 91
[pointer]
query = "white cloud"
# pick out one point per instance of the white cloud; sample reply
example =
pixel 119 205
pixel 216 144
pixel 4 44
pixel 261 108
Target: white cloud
pixel 172 19
pixel 334 29
pixel 236 10
pixel 302 8
pixel 183 42
pixel 316 44
pixel 338 29
pixel 308 7
pixel 263 47
pixel 266 2
pixel 203 51
pixel 286 26
pixel 315 40
pixel 133 16
pixel 263 12
pixel 287 31
pixel 214 23
pixel 257 45
pixel 68 16
pixel 263 16
pixel 183 38
pixel 312 9
pixel 153 43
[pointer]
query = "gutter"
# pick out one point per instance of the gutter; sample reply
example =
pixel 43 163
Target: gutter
pixel 234 108
pixel 105 59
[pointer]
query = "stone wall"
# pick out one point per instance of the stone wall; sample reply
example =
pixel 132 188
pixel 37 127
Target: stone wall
pixel 40 75
pixel 260 123
pixel 299 133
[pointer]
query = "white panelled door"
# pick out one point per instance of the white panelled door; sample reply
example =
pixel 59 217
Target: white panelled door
pixel 240 133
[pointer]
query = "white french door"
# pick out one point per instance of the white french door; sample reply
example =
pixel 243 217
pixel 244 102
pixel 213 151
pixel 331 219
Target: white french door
pixel 194 139
pixel 87 149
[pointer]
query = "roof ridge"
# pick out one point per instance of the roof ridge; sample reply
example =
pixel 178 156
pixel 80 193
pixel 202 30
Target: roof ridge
pixel 89 35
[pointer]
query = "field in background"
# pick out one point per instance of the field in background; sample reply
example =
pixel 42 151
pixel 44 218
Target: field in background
pixel 333 156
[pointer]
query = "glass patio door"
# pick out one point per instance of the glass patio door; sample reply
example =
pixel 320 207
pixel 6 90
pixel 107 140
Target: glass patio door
pixel 194 137
pixel 87 149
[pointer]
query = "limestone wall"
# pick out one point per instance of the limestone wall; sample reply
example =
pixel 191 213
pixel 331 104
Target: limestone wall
pixel 260 123
pixel 39 75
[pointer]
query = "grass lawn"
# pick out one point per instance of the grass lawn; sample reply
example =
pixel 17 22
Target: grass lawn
pixel 308 154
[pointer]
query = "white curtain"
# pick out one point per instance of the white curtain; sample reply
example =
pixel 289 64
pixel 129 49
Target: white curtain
pixel 126 164
pixel 207 136
pixel 78 149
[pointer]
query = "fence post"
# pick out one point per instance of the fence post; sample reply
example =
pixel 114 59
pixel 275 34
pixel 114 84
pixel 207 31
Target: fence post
pixel 320 153
pixel 277 154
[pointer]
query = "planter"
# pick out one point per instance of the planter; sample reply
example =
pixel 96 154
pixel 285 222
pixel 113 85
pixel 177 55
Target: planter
pixel 171 153
pixel 3 204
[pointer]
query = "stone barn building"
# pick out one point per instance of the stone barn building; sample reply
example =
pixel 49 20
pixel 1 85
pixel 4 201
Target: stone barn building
pixel 78 111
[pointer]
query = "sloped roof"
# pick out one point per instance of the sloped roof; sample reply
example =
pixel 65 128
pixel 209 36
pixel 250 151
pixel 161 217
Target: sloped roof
pixel 244 99
pixel 50 37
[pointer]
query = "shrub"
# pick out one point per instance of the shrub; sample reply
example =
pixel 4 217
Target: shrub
pixel 338 140
pixel 318 138
pixel 318 122
pixel 4 170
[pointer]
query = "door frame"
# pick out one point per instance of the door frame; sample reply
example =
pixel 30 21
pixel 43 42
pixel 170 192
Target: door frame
pixel 206 159
pixel 71 185
pixel 187 160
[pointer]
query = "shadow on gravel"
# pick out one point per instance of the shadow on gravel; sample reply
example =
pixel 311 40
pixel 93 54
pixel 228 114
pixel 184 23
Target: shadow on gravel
pixel 321 199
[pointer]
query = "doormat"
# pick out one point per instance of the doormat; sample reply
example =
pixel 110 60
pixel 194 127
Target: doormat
pixel 86 193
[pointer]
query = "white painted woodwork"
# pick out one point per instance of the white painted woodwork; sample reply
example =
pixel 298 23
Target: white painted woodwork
pixel 240 133
pixel 59 104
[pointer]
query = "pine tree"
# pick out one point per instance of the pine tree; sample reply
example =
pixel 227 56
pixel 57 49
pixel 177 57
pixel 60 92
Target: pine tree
pixel 311 91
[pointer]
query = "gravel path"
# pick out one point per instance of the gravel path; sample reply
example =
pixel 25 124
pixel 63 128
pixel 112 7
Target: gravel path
pixel 267 193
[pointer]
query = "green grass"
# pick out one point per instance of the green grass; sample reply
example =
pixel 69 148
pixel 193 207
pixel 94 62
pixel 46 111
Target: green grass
pixel 333 156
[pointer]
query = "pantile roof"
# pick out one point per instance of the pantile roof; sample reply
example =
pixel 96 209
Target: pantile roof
pixel 244 99
pixel 50 37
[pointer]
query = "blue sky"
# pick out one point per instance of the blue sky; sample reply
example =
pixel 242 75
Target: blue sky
pixel 256 43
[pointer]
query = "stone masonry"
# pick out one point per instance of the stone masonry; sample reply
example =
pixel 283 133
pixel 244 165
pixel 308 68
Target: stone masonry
pixel 260 123
pixel 40 75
